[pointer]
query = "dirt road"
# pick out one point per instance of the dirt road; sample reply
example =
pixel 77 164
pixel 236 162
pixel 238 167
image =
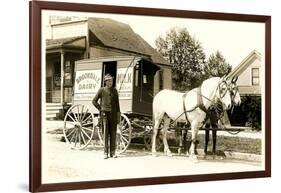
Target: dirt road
pixel 62 164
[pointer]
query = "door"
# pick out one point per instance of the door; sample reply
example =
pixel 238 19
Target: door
pixel 109 68
pixel 143 87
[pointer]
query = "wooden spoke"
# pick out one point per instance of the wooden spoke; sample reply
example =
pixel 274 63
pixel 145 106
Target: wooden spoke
pixel 83 138
pixel 75 117
pixel 70 132
pixel 123 138
pixel 71 118
pixel 72 136
pixel 76 138
pixel 78 114
pixel 124 126
pixel 87 129
pixel 80 117
pixel 125 130
pixel 85 133
pixel 86 118
pixel 87 110
pixel 79 137
pixel 87 124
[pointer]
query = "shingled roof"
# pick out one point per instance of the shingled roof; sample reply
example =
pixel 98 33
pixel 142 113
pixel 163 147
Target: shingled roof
pixel 114 34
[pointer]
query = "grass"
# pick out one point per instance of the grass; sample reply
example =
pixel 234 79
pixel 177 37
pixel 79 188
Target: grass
pixel 235 144
pixel 224 143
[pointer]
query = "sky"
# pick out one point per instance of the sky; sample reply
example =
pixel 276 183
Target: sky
pixel 235 40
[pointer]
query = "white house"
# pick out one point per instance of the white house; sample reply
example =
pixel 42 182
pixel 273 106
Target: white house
pixel 249 73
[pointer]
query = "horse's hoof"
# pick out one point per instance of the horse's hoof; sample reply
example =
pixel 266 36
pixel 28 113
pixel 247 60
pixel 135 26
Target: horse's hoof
pixel 169 154
pixel 194 158
pixel 179 151
pixel 154 154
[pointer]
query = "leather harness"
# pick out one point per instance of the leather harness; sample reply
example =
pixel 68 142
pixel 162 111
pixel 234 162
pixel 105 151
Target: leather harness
pixel 200 104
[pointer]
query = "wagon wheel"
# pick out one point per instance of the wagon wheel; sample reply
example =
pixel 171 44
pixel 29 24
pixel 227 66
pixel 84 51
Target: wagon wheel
pixel 78 126
pixel 124 134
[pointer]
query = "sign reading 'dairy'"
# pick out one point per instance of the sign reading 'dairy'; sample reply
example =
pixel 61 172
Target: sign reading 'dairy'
pixel 88 82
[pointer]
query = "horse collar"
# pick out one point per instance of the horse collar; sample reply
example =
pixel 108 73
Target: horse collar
pixel 200 103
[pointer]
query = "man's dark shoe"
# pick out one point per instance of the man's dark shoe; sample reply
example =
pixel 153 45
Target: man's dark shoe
pixel 113 156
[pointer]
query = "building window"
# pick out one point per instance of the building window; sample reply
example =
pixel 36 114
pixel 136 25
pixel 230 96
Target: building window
pixel 57 75
pixel 68 74
pixel 255 76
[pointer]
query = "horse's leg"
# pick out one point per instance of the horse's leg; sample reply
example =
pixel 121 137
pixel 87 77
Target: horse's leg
pixel 154 134
pixel 184 138
pixel 214 136
pixel 180 136
pixel 207 133
pixel 194 132
pixel 165 130
pixel 184 142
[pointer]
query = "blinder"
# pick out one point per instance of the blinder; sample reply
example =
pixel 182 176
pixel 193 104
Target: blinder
pixel 223 88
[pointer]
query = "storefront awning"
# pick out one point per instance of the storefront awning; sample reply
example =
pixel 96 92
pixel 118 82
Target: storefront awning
pixel 70 44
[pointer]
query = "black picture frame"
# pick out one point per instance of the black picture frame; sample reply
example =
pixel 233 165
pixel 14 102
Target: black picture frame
pixel 35 8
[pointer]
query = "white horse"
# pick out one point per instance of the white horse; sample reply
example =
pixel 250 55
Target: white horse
pixel 187 107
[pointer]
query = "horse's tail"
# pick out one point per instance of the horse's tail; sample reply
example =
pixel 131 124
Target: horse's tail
pixel 156 113
pixel 155 110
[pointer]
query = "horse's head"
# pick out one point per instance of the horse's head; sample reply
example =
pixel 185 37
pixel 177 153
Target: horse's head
pixel 223 93
pixel 233 88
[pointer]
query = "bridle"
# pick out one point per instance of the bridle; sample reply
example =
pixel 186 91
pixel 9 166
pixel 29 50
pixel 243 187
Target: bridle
pixel 223 88
pixel 233 90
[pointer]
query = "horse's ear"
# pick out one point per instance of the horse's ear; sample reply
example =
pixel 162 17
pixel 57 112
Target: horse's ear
pixel 234 79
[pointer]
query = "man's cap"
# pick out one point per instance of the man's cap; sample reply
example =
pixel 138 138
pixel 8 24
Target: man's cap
pixel 107 77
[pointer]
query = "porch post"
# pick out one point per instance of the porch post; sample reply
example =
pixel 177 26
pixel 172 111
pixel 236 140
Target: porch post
pixel 62 77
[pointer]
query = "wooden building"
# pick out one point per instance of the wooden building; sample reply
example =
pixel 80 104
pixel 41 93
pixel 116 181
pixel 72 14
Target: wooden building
pixel 249 73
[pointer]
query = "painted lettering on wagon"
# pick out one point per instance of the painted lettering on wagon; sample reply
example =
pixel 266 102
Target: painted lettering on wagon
pixel 87 81
pixel 124 82
pixel 89 75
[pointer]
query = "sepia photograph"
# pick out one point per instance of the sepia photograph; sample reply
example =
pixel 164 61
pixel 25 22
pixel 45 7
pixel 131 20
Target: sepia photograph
pixel 138 96
pixel 148 97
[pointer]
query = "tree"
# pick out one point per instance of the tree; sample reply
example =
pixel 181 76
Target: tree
pixel 217 66
pixel 186 56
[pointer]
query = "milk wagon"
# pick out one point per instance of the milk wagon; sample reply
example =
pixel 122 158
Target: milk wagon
pixel 134 79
